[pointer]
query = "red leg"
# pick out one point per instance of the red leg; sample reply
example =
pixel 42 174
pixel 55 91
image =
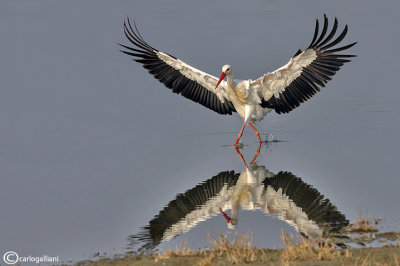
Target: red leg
pixel 257 133
pixel 240 133
pixel 259 143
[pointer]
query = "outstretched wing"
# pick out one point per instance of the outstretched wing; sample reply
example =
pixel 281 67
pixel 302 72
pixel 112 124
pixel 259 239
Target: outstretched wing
pixel 297 81
pixel 307 200
pixel 187 210
pixel 180 77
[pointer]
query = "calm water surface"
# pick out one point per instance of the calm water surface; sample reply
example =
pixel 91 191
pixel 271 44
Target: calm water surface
pixel 92 147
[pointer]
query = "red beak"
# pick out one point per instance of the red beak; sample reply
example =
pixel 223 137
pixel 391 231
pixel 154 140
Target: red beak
pixel 220 79
pixel 228 219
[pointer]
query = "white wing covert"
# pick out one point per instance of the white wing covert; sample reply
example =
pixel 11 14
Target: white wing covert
pixel 297 81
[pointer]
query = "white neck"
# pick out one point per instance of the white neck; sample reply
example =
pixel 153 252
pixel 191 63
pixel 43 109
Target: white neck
pixel 229 80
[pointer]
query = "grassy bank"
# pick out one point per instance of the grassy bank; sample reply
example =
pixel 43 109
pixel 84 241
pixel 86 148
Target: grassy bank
pixel 361 256
pixel 240 251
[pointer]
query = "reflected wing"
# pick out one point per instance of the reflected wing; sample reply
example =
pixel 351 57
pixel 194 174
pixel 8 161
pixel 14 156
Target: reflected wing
pixel 308 199
pixel 186 210
pixel 297 81
pixel 178 76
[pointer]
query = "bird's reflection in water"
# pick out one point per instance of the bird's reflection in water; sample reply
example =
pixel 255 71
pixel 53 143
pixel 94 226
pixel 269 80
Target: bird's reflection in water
pixel 282 195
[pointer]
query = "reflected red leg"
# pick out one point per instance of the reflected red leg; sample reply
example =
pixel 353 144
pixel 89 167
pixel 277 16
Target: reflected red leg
pixel 241 156
pixel 240 133
pixel 256 155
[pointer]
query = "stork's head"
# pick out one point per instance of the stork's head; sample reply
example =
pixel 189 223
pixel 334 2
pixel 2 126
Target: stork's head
pixel 230 222
pixel 226 70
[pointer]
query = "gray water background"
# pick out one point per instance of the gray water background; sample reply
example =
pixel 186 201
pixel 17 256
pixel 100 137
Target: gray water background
pixel 92 146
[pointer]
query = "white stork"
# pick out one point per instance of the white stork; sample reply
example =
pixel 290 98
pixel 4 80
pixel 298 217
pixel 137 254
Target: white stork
pixel 281 195
pixel 282 90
